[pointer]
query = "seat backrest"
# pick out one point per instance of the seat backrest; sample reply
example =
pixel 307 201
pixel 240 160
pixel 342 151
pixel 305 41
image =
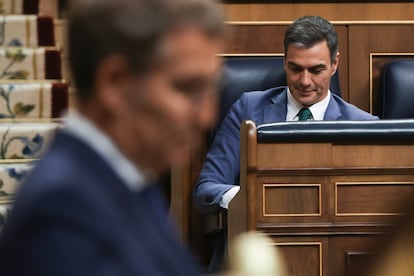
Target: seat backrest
pixel 370 131
pixel 397 90
pixel 243 74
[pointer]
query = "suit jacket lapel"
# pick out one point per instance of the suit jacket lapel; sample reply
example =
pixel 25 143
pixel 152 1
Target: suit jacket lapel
pixel 276 110
pixel 333 111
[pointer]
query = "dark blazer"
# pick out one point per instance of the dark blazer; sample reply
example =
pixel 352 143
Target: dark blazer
pixel 74 216
pixel 221 168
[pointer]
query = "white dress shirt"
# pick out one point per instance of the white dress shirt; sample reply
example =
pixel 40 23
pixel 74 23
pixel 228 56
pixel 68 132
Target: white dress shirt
pixel 318 109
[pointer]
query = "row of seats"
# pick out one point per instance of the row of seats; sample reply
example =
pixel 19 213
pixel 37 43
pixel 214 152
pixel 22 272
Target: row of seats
pixel 397 90
pixel 243 74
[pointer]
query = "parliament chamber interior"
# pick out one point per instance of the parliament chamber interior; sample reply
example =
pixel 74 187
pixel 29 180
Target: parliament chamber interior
pixel 350 195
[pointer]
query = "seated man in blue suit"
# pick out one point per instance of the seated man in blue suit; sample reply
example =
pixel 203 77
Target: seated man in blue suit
pixel 311 59
pixel 145 73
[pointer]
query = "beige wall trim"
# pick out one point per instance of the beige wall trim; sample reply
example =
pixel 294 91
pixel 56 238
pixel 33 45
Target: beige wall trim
pixel 351 22
pixel 253 55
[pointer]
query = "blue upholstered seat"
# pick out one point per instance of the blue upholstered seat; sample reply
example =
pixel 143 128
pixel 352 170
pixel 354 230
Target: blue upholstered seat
pixel 397 90
pixel 371 131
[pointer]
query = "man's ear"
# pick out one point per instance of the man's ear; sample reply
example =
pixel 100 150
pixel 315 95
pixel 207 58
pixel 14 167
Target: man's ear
pixel 335 64
pixel 111 80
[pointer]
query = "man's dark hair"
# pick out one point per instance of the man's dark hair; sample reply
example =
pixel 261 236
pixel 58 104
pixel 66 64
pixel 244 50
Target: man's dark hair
pixel 131 28
pixel 309 30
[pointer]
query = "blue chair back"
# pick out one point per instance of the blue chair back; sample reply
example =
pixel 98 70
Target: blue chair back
pixel 397 90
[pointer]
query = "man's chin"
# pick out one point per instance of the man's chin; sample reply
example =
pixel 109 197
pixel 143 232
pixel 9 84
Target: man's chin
pixel 306 102
pixel 307 98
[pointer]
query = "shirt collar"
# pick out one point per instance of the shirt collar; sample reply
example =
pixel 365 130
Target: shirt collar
pixel 79 126
pixel 318 109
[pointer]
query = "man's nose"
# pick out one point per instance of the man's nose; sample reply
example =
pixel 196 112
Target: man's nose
pixel 305 78
pixel 206 111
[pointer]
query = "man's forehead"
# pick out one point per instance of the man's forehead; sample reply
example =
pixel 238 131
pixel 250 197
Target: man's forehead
pixel 319 51
pixel 298 44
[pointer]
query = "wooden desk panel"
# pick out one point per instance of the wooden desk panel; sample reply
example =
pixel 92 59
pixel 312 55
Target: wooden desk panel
pixel 342 197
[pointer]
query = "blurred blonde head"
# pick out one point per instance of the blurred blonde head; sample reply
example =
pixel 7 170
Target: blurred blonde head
pixel 252 254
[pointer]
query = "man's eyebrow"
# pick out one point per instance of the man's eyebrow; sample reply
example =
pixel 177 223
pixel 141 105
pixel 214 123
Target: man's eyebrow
pixel 291 63
pixel 321 65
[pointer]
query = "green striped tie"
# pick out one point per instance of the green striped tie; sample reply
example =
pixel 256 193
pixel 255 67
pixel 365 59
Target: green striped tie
pixel 305 114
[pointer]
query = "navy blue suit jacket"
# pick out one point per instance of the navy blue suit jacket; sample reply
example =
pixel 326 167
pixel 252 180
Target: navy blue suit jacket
pixel 74 216
pixel 221 169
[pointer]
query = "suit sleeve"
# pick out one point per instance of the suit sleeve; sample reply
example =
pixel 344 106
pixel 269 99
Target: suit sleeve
pixel 221 169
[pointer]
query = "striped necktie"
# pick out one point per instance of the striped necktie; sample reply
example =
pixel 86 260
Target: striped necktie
pixel 305 114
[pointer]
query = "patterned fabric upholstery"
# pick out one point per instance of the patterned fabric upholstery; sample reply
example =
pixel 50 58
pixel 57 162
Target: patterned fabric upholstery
pixel 26 30
pixel 19 6
pixel 32 93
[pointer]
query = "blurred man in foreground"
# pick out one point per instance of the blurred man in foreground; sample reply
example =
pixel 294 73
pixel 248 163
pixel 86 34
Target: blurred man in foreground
pixel 145 72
